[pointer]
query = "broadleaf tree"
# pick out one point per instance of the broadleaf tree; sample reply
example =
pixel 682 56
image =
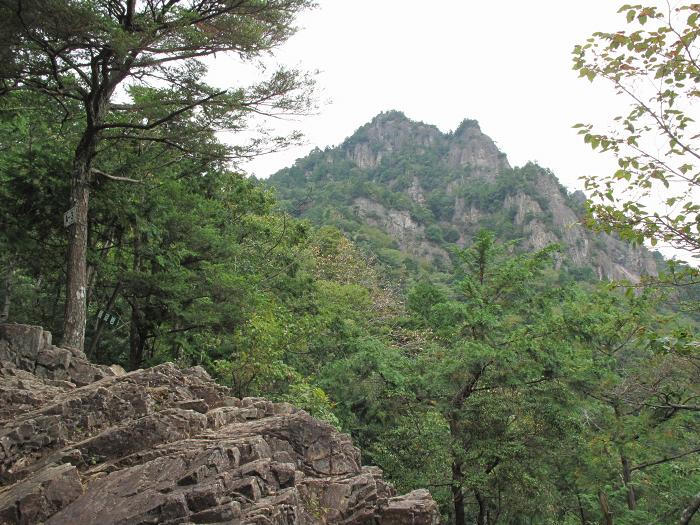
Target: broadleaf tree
pixel 653 66
pixel 638 378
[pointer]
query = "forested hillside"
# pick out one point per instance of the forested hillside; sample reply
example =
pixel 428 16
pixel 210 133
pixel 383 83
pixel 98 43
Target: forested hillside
pixel 411 194
pixel 509 372
pixel 479 331
pixel 503 385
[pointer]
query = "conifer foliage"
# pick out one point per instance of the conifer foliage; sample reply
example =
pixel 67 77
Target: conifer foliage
pixel 132 73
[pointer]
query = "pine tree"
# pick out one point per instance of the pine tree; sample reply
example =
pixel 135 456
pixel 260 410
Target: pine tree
pixel 106 56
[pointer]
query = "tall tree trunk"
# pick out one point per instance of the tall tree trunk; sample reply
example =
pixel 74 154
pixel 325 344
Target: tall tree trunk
pixel 92 352
pixel 581 512
pixel 624 462
pixel 7 285
pixel 481 517
pixel 605 508
pixel 137 341
pixel 37 286
pixel 627 480
pixel 75 315
pixel 457 403
pixel 136 336
pixel 457 494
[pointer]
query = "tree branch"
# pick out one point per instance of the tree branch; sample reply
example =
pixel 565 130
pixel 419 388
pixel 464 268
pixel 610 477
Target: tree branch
pixel 114 177
pixel 163 120
pixel 665 459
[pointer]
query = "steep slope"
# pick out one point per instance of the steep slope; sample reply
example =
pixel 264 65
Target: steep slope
pixel 410 193
pixel 88 444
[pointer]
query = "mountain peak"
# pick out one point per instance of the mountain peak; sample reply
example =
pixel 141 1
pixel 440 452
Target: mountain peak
pixel 465 126
pixel 389 116
pixel 397 121
pixel 410 192
pixel 470 147
pixel 389 133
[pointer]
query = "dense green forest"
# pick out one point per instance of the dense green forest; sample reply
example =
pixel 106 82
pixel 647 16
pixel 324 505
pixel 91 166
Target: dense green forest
pixel 485 362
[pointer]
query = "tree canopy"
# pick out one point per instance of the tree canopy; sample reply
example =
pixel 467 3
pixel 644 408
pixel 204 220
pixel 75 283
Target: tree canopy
pixel 133 72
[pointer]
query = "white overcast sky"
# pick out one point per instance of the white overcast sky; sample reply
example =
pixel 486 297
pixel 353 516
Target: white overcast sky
pixel 504 63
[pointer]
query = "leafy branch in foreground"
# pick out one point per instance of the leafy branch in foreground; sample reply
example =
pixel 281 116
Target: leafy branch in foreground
pixel 655 67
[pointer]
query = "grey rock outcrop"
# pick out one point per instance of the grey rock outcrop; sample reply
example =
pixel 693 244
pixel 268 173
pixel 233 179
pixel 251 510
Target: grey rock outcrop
pixel 470 147
pixel 165 445
pixel 389 133
pixel 428 190
pixel 408 234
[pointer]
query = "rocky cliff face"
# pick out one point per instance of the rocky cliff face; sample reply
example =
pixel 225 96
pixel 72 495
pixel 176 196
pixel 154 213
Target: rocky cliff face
pixel 427 189
pixel 87 444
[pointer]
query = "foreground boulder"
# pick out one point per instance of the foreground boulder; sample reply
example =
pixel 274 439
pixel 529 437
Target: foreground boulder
pixel 88 444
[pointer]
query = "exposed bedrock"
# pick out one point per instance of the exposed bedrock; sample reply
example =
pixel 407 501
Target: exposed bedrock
pixel 88 444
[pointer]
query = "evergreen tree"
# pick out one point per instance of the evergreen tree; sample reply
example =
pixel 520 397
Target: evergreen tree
pixel 101 59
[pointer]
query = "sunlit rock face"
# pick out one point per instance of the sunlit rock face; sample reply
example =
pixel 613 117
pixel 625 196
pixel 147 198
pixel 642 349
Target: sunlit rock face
pixel 428 190
pixel 87 444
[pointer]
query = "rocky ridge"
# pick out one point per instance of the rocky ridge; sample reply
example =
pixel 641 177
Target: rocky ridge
pixel 427 190
pixel 89 444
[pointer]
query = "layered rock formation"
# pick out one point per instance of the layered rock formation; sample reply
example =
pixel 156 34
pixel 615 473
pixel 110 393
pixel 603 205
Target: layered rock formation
pixel 87 444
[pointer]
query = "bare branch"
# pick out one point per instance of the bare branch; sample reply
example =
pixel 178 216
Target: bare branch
pixel 114 177
pixel 665 459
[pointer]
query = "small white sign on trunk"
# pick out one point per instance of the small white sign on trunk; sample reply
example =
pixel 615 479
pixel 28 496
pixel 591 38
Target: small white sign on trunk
pixel 108 317
pixel 70 217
